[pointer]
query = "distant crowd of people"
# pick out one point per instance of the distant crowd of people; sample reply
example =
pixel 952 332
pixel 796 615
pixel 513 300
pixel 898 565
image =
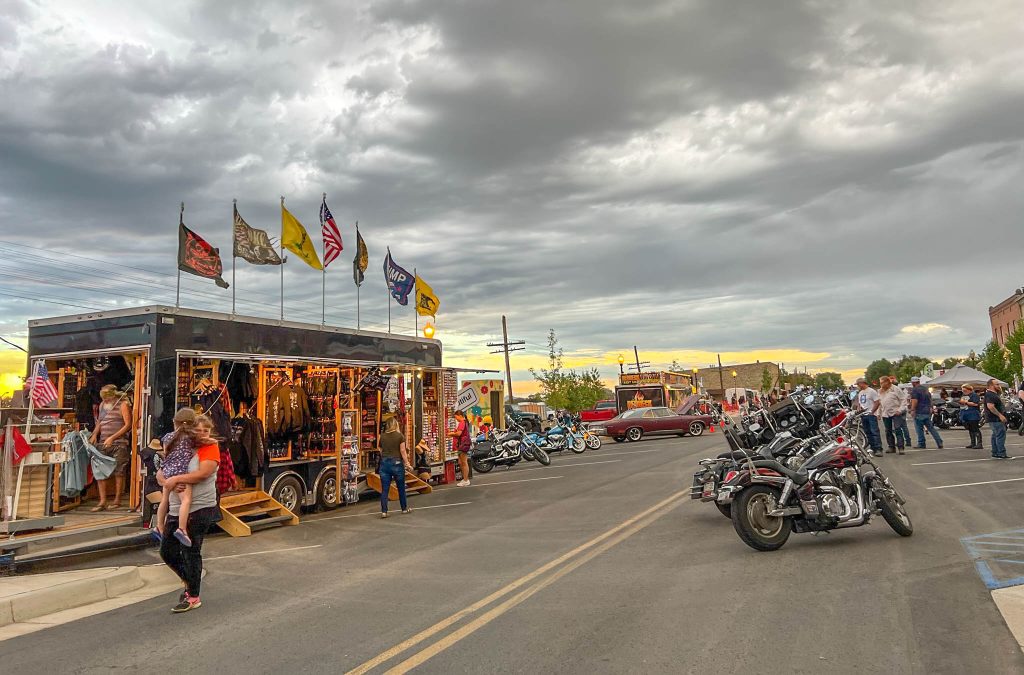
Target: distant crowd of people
pixel 891 404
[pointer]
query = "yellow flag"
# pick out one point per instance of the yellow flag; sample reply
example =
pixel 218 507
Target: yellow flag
pixel 426 302
pixel 295 239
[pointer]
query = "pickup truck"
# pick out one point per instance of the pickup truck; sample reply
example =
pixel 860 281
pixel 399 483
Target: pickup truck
pixel 530 421
pixel 602 411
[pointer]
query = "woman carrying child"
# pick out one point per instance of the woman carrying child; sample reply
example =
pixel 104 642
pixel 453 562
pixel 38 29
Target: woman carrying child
pixel 196 490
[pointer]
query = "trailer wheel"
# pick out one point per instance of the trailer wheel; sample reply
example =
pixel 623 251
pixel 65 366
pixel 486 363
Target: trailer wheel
pixel 288 492
pixel 327 491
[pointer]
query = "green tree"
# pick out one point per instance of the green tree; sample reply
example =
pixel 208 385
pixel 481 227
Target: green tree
pixel 828 380
pixel 566 389
pixel 972 359
pixel 951 362
pixel 994 362
pixel 766 380
pixel 675 366
pixel 1013 358
pixel 909 366
pixel 877 368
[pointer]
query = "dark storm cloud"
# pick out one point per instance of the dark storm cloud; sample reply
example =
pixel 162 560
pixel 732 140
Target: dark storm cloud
pixel 682 174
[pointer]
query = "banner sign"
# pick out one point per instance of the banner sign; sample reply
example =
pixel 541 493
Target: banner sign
pixel 629 398
pixel 640 378
pixel 467 398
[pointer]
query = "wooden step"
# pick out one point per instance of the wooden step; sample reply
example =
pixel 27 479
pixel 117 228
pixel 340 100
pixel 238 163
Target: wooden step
pixel 412 484
pixel 236 506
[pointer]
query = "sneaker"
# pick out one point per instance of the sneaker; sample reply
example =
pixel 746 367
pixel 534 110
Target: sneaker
pixel 383 514
pixel 187 604
pixel 876 453
pixel 406 510
pixel 462 483
pixel 183 537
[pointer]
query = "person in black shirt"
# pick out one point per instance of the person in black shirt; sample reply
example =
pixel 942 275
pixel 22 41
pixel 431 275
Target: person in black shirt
pixel 995 417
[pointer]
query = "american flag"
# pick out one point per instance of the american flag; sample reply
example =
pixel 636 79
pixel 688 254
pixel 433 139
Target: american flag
pixel 43 391
pixel 332 237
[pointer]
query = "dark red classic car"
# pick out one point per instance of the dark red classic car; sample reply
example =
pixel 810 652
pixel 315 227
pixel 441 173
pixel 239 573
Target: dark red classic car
pixel 633 425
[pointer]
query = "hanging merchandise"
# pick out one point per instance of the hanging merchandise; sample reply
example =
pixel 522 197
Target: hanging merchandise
pixel 248 445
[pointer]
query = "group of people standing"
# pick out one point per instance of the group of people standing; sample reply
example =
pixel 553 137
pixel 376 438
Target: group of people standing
pixel 891 404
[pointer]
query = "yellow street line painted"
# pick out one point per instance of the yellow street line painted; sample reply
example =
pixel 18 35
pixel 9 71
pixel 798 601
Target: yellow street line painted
pixel 391 653
pixel 495 612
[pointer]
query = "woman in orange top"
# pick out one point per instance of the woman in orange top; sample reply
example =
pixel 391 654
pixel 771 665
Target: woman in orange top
pixel 187 561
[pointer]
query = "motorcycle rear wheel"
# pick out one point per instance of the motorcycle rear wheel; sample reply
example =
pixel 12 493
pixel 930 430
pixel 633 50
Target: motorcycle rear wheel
pixel 541 455
pixel 894 513
pixel 758 530
pixel 481 466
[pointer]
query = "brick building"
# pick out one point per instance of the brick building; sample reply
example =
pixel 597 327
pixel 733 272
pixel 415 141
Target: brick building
pixel 748 376
pixel 1005 316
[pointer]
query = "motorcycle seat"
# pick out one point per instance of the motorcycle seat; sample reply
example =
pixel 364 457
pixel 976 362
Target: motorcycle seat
pixel 737 455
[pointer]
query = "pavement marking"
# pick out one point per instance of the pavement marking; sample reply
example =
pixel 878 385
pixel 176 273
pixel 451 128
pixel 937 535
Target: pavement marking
pixel 416 639
pixel 984 549
pixel 377 513
pixel 273 550
pixel 565 466
pixel 502 482
pixel 984 482
pixel 957 461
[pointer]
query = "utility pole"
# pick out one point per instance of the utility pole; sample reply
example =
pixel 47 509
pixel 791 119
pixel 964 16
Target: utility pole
pixel 640 365
pixel 721 381
pixel 506 347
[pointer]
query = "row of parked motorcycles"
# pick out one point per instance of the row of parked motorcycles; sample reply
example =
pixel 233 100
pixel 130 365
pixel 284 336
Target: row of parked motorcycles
pixel 516 444
pixel 947 414
pixel 801 465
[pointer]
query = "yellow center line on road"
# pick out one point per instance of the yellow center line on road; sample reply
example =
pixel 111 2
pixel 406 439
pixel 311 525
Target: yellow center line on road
pixel 416 639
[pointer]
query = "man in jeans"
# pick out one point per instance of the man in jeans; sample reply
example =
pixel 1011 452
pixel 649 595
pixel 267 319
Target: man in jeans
pixel 903 410
pixel 995 417
pixel 921 409
pixel 868 401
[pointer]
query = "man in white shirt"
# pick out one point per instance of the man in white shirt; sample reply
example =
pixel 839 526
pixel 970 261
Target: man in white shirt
pixel 868 401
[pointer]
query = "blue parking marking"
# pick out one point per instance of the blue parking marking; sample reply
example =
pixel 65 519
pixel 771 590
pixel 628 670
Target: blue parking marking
pixel 1004 549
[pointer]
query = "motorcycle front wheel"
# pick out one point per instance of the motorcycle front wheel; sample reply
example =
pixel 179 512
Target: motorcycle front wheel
pixel 578 445
pixel 593 441
pixel 481 465
pixel 527 452
pixel 894 513
pixel 752 523
pixel 541 455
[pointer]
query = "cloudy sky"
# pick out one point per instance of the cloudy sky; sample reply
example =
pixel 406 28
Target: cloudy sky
pixel 821 183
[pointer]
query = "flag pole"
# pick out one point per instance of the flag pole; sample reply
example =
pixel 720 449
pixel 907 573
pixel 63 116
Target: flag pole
pixel 181 224
pixel 358 321
pixel 415 302
pixel 234 212
pixel 281 245
pixel 323 276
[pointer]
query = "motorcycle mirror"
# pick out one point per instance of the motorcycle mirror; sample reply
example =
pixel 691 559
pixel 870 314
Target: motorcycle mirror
pixel 853 395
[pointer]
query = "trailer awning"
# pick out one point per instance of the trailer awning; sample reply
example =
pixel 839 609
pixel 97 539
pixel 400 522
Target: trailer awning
pixel 319 360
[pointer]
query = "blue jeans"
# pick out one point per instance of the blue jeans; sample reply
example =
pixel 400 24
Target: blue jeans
pixel 870 423
pixel 998 439
pixel 392 468
pixel 896 431
pixel 922 422
pixel 901 427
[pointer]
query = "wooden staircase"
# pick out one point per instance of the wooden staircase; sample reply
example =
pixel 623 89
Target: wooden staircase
pixel 246 512
pixel 413 484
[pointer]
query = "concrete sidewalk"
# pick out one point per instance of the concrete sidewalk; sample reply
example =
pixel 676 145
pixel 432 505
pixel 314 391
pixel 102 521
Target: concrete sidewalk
pixel 37 601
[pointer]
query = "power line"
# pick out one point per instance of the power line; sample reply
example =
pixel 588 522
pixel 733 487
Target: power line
pixel 14 345
pixel 507 347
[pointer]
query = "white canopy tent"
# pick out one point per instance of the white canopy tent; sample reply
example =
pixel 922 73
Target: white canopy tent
pixel 959 375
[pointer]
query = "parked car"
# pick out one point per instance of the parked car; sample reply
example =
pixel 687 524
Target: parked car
pixel 633 425
pixel 602 410
pixel 530 421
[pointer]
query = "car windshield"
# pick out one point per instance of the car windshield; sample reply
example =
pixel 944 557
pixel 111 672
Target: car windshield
pixel 605 406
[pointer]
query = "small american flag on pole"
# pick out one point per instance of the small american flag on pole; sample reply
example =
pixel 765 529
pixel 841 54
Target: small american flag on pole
pixel 332 237
pixel 40 387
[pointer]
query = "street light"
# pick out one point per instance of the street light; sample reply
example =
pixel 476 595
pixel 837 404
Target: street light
pixel 693 384
pixel 621 361
pixel 428 331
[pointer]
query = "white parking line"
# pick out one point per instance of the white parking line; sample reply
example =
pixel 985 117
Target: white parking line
pixel 959 461
pixel 503 482
pixel 566 466
pixel 273 550
pixel 984 482
pixel 377 513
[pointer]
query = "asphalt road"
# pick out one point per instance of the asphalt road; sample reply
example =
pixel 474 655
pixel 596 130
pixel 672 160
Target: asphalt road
pixel 598 563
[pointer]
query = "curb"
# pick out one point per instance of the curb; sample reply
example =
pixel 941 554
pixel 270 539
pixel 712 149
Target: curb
pixel 68 595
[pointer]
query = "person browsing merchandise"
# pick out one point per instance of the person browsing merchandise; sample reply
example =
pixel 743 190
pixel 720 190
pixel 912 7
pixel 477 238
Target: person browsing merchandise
pixel 996 419
pixel 463 444
pixel 970 415
pixel 393 459
pixel 868 401
pixel 921 409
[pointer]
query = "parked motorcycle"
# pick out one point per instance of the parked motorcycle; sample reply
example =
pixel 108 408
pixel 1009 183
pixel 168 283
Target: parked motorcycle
pixel 506 448
pixel 838 486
